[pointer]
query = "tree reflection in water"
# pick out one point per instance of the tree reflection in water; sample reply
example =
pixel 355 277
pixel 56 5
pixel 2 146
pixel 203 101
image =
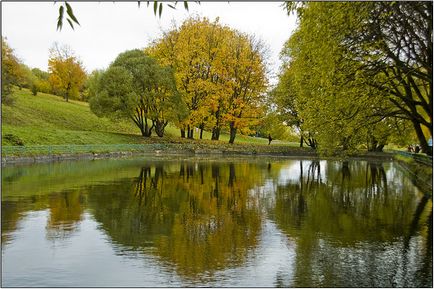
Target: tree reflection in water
pixel 66 211
pixel 199 218
pixel 348 227
pixel 348 222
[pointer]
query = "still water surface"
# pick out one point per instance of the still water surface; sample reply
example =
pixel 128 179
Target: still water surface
pixel 154 222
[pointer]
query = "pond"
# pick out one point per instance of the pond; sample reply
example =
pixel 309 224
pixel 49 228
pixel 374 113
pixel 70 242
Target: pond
pixel 219 222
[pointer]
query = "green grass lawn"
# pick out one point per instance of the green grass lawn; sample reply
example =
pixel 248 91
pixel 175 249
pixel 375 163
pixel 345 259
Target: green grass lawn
pixel 47 119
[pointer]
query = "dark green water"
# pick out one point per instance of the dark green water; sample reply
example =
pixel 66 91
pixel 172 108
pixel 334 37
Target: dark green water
pixel 214 222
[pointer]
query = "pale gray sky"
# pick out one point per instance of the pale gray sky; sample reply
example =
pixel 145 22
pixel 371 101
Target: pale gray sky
pixel 108 28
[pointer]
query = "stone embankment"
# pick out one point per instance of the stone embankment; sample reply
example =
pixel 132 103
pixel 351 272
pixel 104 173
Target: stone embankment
pixel 166 150
pixel 186 150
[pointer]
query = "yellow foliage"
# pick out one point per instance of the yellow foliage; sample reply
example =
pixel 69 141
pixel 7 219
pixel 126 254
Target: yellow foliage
pixel 67 76
pixel 219 72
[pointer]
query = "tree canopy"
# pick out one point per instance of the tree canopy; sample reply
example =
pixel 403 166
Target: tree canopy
pixel 331 91
pixel 11 72
pixel 137 87
pixel 220 74
pixel 67 75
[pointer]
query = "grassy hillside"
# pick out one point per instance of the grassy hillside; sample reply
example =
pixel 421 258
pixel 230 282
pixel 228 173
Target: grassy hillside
pixel 47 119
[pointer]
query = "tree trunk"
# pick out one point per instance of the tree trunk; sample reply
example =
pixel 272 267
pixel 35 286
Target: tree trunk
pixel 182 133
pixel 232 177
pixel 68 88
pixel 372 144
pixel 421 137
pixel 159 127
pixel 147 129
pixel 216 129
pixel 141 126
pixel 233 133
pixel 202 126
pixel 215 133
pixel 190 132
pixel 142 130
pixel 301 140
pixel 379 148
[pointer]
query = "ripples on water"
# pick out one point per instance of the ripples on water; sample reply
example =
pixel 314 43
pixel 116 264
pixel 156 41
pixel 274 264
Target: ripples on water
pixel 219 223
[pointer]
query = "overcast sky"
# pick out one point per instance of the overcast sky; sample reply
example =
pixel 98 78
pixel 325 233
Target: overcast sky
pixel 108 28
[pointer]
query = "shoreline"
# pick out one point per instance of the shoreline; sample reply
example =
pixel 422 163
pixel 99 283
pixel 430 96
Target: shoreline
pixel 16 160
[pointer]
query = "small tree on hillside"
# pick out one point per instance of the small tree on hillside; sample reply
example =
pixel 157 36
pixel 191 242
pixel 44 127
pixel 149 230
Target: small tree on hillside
pixel 67 76
pixel 11 72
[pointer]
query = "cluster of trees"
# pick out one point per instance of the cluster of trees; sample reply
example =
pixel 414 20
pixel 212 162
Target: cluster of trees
pixel 358 73
pixel 201 75
pixel 353 74
pixel 16 73
pixel 219 73
pixel 66 76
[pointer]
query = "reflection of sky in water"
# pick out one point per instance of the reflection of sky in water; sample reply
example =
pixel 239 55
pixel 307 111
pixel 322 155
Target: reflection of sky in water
pixel 85 259
pixel 91 259
pixel 291 172
pixel 271 262
pixel 82 253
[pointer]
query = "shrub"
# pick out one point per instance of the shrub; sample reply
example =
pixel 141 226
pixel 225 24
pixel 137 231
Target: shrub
pixel 34 89
pixel 13 139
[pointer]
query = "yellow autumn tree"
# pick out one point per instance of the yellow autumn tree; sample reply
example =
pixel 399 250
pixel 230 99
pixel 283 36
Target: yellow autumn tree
pixel 67 75
pixel 208 69
pixel 11 72
pixel 248 83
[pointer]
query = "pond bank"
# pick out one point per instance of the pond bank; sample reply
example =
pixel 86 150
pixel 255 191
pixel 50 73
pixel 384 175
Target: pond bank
pixel 419 173
pixel 177 149
pixel 6 160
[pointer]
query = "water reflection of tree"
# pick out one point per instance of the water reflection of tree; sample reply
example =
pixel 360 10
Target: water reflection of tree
pixel 421 224
pixel 376 179
pixel 218 226
pixel 65 212
pixel 292 198
pixel 359 210
pixel 199 218
pixel 11 213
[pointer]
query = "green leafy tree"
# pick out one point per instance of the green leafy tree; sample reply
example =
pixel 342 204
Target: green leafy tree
pixel 396 52
pixel 331 96
pixel 26 77
pixel 91 85
pixel 288 106
pixel 391 42
pixel 137 87
pixel 40 81
pixel 273 125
